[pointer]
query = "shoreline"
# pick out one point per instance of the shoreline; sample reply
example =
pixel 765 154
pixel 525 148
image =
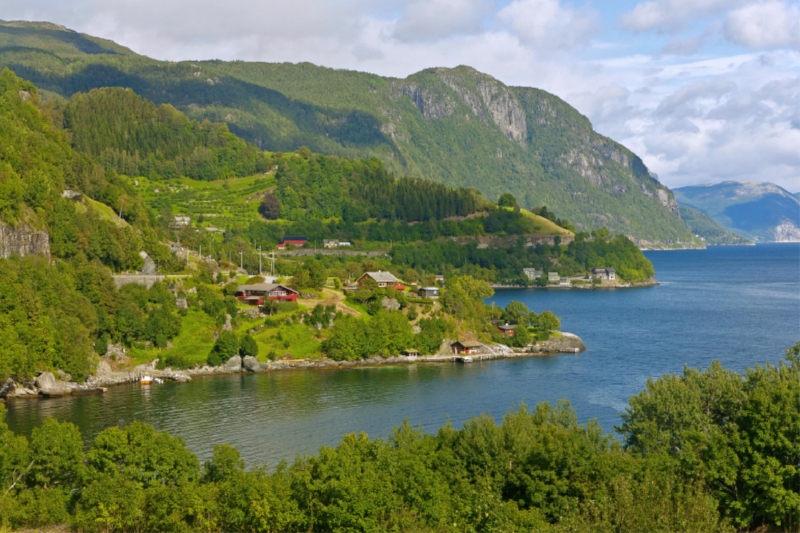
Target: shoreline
pixel 99 384
pixel 650 282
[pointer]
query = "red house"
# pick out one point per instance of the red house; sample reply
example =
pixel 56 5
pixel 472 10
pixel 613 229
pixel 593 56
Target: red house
pixel 505 328
pixel 256 294
pixel 294 240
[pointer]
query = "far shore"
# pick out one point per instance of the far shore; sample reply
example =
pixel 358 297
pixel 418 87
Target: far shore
pixel 651 282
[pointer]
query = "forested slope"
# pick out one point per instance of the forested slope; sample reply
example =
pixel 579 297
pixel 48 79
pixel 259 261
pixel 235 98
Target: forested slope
pixel 454 126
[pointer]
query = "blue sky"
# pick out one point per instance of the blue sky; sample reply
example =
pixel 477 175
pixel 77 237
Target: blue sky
pixel 703 90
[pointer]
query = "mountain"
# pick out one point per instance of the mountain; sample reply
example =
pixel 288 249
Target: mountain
pixel 708 229
pixel 455 126
pixel 759 210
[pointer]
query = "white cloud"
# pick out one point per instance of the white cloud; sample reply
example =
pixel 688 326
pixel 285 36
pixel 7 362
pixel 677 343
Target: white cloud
pixel 547 24
pixel 432 20
pixel 671 15
pixel 766 25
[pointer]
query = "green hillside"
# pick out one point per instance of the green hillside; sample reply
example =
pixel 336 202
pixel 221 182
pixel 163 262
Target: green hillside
pixel 708 229
pixel 454 126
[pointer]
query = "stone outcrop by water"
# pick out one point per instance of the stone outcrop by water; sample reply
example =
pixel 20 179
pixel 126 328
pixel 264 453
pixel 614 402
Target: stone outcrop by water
pixel 251 364
pixel 234 364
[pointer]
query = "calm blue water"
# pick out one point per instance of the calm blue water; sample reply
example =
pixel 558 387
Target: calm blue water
pixel 740 305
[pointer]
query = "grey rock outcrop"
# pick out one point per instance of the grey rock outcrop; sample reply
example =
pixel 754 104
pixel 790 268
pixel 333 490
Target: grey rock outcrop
pixel 390 304
pixel 431 105
pixel 251 364
pixel 149 268
pixel 234 364
pixel 181 303
pixel 227 326
pixel 103 368
pixel 7 387
pixel 23 240
pixel 45 380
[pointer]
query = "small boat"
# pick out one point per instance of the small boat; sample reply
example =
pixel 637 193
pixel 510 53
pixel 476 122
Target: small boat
pixel 159 381
pixel 146 380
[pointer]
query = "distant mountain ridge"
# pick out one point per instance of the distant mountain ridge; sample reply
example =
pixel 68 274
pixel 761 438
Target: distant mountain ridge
pixel 456 126
pixel 758 210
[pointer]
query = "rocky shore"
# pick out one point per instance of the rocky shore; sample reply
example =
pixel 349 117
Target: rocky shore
pixel 47 385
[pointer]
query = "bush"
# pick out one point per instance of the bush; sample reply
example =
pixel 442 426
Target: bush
pixel 272 355
pixel 412 314
pixel 37 508
pixel 101 346
pixel 248 346
pixel 175 361
pixel 227 346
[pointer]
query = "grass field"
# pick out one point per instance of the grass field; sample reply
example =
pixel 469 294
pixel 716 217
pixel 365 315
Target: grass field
pixel 543 226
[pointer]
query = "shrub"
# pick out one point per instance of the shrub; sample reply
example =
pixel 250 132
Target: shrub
pixel 248 346
pixel 227 346
pixel 101 346
pixel 175 361
pixel 412 314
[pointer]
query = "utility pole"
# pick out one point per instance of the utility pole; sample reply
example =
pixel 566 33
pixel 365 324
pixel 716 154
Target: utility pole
pixel 259 260
pixel 272 272
pixel 241 260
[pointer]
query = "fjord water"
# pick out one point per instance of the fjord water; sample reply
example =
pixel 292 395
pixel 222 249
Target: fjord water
pixel 740 305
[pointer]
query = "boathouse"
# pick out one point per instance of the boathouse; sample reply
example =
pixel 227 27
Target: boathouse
pixel 466 347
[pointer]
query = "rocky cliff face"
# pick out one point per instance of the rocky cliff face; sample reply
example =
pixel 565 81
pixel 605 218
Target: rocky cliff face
pixel 23 240
pixel 482 94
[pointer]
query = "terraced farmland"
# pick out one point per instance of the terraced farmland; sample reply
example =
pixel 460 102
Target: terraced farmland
pixel 220 203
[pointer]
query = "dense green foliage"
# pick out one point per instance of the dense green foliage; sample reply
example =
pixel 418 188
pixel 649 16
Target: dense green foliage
pixel 37 163
pixel 579 256
pixel 387 333
pixel 317 186
pixel 740 433
pixel 282 107
pixel 132 136
pixel 51 314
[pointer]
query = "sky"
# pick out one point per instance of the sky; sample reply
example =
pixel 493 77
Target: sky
pixel 703 90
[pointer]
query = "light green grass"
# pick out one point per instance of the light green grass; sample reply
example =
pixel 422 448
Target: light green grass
pixel 194 342
pixel 543 226
pixel 296 340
